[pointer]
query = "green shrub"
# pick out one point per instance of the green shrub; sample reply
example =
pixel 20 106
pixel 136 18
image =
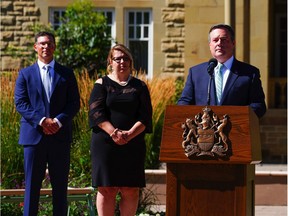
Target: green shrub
pixel 8 209
pixel 83 41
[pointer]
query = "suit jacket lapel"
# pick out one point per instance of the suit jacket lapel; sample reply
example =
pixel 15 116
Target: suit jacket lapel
pixel 56 77
pixel 37 78
pixel 213 93
pixel 231 80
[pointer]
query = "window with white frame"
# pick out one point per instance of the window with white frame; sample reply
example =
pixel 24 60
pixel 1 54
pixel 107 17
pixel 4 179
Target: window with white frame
pixel 139 38
pixel 55 16
pixel 110 19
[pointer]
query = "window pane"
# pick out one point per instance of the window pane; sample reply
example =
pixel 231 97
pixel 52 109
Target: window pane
pixel 139 51
pixel 109 30
pixel 146 18
pixel 109 17
pixel 139 18
pixel 131 18
pixel 138 32
pixel 131 32
pixel 56 17
pixel 146 32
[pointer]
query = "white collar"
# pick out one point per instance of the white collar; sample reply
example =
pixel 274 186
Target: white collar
pixel 42 64
pixel 228 63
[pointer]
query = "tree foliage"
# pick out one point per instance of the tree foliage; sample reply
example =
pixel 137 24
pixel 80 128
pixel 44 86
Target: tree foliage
pixel 83 39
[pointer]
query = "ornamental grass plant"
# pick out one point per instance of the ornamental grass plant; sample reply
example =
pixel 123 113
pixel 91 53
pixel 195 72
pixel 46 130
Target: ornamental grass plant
pixel 163 91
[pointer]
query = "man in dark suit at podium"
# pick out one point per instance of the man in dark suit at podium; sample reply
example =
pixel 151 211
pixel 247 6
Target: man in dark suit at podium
pixel 224 80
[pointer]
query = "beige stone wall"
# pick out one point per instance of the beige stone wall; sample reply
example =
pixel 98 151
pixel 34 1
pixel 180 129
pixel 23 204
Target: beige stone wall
pixel 259 42
pixel 16 16
pixel 273 133
pixel 173 16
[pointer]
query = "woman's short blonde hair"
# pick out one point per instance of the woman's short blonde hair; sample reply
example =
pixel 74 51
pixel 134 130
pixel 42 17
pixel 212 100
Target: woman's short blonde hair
pixel 123 49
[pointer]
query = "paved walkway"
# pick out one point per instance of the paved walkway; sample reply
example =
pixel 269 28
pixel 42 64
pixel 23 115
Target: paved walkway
pixel 271 167
pixel 271 211
pixel 259 210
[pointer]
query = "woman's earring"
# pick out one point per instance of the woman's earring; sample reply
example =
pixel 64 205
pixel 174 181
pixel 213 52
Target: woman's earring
pixel 110 68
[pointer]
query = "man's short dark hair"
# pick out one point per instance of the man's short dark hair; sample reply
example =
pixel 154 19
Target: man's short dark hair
pixel 45 33
pixel 223 26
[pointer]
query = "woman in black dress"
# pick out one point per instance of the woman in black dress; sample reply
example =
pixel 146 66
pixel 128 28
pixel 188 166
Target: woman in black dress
pixel 120 113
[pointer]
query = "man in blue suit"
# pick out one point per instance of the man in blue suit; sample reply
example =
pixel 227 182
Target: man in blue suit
pixel 47 97
pixel 239 85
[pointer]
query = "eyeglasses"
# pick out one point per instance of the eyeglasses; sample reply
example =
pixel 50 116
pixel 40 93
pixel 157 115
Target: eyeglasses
pixel 118 59
pixel 44 44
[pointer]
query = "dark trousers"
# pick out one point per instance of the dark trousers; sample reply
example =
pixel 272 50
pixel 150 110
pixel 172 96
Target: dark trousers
pixel 36 158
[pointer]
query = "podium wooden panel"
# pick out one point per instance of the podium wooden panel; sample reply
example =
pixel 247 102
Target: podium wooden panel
pixel 211 187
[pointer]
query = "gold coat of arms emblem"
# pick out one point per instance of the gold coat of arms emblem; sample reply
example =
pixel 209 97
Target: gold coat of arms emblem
pixel 206 134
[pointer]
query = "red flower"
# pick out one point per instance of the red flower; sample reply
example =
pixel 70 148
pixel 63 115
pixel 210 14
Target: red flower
pixel 21 204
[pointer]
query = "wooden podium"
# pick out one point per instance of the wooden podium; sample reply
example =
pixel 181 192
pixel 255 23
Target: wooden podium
pixel 207 185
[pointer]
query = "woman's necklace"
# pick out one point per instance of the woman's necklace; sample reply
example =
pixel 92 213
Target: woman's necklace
pixel 122 83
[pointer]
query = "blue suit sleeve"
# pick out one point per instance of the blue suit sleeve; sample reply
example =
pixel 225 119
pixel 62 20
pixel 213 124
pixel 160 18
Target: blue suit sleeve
pixel 187 96
pixel 257 97
pixel 31 114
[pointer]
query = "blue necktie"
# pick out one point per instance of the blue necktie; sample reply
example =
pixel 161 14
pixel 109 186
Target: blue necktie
pixel 219 82
pixel 47 81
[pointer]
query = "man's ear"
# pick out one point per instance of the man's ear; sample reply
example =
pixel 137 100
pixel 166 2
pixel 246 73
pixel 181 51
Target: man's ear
pixel 35 47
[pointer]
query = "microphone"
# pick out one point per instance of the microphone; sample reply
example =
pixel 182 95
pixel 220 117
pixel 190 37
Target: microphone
pixel 210 69
pixel 211 65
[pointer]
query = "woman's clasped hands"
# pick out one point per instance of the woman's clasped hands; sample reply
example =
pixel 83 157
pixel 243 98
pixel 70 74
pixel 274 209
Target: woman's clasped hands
pixel 119 137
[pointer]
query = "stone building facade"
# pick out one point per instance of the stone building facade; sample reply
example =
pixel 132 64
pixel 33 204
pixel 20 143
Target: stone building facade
pixel 173 45
pixel 16 17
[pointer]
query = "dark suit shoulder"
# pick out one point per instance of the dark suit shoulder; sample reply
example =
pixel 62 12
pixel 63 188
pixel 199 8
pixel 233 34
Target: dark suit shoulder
pixel 30 67
pixel 63 70
pixel 244 67
pixel 61 67
pixel 200 66
pixel 29 70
